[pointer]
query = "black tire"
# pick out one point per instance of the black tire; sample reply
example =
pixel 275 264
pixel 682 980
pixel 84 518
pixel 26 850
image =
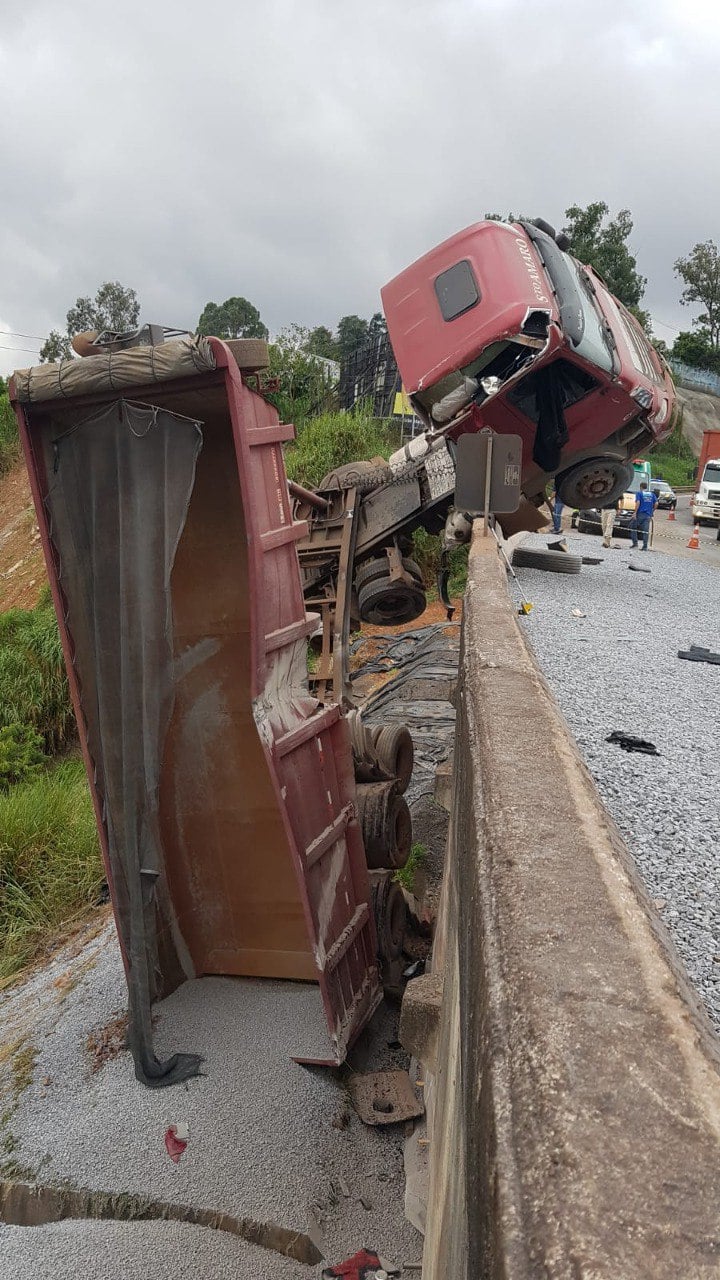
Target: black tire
pixel 550 561
pixel 588 526
pixel 388 604
pixel 364 476
pixel 377 568
pixel 395 753
pixel 595 482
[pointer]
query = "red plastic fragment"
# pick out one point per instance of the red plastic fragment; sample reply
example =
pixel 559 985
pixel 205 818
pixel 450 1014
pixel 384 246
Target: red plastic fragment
pixel 355 1268
pixel 174 1145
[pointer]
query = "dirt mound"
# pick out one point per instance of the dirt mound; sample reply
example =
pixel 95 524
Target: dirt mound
pixel 22 569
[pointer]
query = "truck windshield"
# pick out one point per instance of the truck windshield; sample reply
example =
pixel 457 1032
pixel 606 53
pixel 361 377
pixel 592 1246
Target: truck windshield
pixel 712 473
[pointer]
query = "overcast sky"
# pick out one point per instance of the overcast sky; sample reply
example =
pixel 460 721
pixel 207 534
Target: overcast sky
pixel 301 152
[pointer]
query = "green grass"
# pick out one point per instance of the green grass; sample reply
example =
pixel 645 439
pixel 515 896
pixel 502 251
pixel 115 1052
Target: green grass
pixel 333 439
pixel 33 685
pixel 427 549
pixel 9 442
pixel 674 460
pixel 406 875
pixel 50 866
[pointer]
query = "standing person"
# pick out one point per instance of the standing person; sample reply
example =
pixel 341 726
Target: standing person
pixel 557 513
pixel 645 504
pixel 607 520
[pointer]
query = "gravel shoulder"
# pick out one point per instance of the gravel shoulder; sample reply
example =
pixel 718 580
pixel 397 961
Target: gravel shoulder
pixel 617 668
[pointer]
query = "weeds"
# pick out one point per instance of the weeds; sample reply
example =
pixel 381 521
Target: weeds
pixel 9 441
pixel 406 875
pixel 333 439
pixel 33 684
pixel 427 548
pixel 50 867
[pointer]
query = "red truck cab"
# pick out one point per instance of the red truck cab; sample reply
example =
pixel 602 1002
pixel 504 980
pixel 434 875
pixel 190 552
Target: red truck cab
pixel 501 327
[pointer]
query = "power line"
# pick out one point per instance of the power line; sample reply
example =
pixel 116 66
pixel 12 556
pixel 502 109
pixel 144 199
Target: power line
pixel 28 350
pixel 10 333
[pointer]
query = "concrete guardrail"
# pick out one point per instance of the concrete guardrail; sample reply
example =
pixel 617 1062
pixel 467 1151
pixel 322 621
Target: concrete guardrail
pixel 571 1078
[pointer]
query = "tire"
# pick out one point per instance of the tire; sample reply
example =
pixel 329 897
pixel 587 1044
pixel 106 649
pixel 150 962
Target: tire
pixel 595 482
pixel 588 526
pixel 388 604
pixel 550 561
pixel 386 825
pixel 357 475
pixel 395 753
pixel 250 354
pixel 374 570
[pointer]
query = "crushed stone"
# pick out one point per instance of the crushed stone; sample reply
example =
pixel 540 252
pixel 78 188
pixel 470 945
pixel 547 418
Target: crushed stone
pixel 618 669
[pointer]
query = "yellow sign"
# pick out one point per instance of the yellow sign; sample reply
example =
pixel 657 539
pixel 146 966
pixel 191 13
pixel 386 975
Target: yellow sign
pixel 402 406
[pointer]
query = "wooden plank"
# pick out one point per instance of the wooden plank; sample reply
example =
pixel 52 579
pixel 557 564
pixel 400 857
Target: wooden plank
pixel 284 533
pixel 277 433
pixel 312 727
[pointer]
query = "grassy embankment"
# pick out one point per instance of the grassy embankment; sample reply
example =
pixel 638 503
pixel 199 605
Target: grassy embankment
pixel 50 869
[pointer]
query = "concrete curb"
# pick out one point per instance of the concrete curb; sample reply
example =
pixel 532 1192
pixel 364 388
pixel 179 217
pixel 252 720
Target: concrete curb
pixel 574 1115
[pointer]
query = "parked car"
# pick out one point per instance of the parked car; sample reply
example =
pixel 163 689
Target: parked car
pixel 666 495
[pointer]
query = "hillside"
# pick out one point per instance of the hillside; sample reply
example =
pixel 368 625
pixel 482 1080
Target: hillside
pixel 701 412
pixel 22 570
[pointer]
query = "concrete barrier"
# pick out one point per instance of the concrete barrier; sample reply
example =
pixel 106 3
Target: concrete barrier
pixel 574 1101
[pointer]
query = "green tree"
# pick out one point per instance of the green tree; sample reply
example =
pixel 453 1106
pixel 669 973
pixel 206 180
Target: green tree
pixel 603 245
pixel 114 307
pixel 697 350
pixel 322 343
pixel 234 318
pixel 700 272
pixel 304 383
pixel 352 332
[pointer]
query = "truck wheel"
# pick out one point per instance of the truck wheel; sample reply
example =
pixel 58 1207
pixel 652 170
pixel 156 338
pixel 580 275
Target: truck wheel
pixel 596 482
pixel 388 604
pixel 395 753
pixel 374 570
pixel 386 825
pixel 551 561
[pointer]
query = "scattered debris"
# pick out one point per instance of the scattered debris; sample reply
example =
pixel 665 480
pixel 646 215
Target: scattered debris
pixel 384 1097
pixel 176 1140
pixel 638 568
pixel 412 971
pixel 107 1042
pixel 696 653
pixel 630 743
pixel 592 559
pixel 659 903
pixel 561 545
pixel 364 1265
pixel 578 613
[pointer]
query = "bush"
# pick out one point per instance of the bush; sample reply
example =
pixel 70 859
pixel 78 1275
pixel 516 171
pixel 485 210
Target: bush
pixel 333 439
pixel 21 754
pixel 9 440
pixel 427 549
pixel 33 685
pixel 50 866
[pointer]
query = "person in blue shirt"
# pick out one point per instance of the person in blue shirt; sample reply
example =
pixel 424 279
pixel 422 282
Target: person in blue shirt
pixel 645 504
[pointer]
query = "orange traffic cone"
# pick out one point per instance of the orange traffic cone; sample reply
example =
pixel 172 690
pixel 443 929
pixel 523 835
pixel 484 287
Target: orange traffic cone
pixel 671 513
pixel 694 542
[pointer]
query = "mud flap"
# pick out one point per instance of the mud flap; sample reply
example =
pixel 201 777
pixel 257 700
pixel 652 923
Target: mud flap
pixel 443 578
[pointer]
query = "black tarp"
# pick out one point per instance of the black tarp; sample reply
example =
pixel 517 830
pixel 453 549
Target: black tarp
pixel 120 482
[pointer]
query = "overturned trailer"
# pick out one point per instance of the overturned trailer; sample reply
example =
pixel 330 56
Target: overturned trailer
pixel 225 796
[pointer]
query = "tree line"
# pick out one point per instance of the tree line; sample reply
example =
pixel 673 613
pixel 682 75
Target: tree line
pixel 596 239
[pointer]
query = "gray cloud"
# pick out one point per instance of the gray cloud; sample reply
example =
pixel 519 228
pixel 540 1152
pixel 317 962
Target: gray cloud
pixel 302 153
